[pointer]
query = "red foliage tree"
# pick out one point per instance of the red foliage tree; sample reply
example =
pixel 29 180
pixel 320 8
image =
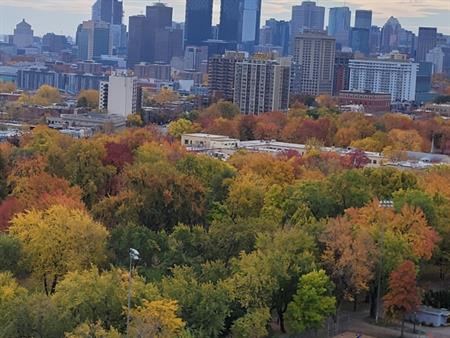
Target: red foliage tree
pixel 118 155
pixel 404 295
pixel 8 208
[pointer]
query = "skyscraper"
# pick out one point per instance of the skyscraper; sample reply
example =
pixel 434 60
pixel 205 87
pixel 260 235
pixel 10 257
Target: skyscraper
pixel 230 15
pixel 250 22
pixel 198 21
pixel 23 35
pixel 374 40
pixel 426 41
pixel 110 11
pixel 363 19
pixel 339 25
pixel 359 40
pixel 93 40
pixel 314 57
pixel 307 16
pixel 262 85
pixel 152 38
pixel 277 34
pixel 390 35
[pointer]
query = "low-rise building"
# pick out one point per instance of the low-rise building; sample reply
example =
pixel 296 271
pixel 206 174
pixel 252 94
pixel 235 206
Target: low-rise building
pixel 372 102
pixel 93 121
pixel 200 141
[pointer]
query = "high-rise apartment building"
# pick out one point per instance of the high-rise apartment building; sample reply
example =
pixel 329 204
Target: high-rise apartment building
pixel 119 95
pixel 198 21
pixel 23 35
pixel 339 25
pixel 93 40
pixel 395 77
pixel 262 85
pixel 363 19
pixel 341 71
pixel 426 41
pixel 314 57
pixel 221 72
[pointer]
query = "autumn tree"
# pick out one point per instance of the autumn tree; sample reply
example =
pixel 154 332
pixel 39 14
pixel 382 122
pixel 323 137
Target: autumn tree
pixel 182 126
pixel 44 96
pixel 90 330
pixel 88 99
pixel 58 240
pixel 313 302
pixel 404 295
pixel 252 325
pixel 156 319
pixel 7 87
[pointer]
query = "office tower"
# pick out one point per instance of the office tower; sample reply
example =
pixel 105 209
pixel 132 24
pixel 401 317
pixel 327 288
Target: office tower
pixel 390 35
pixel 23 35
pixel 194 56
pixel 221 71
pixel 423 82
pixel 306 17
pixel 425 42
pixel 374 40
pixel 93 40
pixel 110 11
pixel 250 23
pixel 341 71
pixel 440 58
pixel 339 25
pixel 406 42
pixel 54 43
pixel 359 40
pixel 152 37
pixel 395 77
pixel 119 95
pixel 262 85
pixel 314 57
pixel 276 33
pixel 363 19
pixel 230 15
pixel 198 21
pixel 138 42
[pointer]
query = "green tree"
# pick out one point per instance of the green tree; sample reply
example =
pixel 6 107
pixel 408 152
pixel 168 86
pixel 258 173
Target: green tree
pixel 93 330
pixel 10 253
pixel 182 126
pixel 252 325
pixel 312 304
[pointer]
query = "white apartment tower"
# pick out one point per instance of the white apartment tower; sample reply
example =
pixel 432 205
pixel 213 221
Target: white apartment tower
pixel 395 77
pixel 262 85
pixel 119 95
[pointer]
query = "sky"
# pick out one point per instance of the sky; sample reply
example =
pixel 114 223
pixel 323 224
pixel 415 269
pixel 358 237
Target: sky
pixel 63 16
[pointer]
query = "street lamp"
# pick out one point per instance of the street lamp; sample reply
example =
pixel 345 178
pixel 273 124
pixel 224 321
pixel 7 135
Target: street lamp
pixel 134 256
pixel 387 204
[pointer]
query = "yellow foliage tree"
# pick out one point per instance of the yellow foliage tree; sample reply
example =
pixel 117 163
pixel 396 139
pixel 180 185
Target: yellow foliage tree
pixel 166 95
pixel 58 240
pixel 44 96
pixel 88 98
pixel 182 126
pixel 89 330
pixel 156 319
pixel 7 87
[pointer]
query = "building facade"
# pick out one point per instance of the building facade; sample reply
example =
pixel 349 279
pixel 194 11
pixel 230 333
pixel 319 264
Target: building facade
pixel 398 78
pixel 314 57
pixel 23 35
pixel 93 40
pixel 372 102
pixel 198 21
pixel 262 85
pixel 339 25
pixel 119 95
pixel 426 41
pixel 363 19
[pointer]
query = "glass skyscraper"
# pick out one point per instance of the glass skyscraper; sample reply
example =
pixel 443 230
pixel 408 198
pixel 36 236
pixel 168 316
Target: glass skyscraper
pixel 339 25
pixel 198 21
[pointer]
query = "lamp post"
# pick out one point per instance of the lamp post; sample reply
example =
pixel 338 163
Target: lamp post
pixel 134 256
pixel 383 204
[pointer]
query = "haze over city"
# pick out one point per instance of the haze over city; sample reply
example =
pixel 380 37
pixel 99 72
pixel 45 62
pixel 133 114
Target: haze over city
pixel 62 16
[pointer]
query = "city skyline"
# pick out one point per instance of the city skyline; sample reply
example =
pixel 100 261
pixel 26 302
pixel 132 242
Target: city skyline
pixel 410 13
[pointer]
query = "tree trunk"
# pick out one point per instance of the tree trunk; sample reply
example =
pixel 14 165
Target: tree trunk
pixel 281 319
pixel 55 281
pixel 403 327
pixel 45 285
pixel 373 303
pixel 355 303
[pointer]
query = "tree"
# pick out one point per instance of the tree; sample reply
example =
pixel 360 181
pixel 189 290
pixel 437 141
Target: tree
pixel 3 183
pixel 313 302
pixel 182 126
pixel 156 319
pixel 45 95
pixel 10 253
pixel 204 306
pixel 347 258
pixel 91 330
pixel 252 325
pixel 404 295
pixel 165 95
pixel 135 120
pixel 58 240
pixel 7 87
pixel 88 99
pixel 224 109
